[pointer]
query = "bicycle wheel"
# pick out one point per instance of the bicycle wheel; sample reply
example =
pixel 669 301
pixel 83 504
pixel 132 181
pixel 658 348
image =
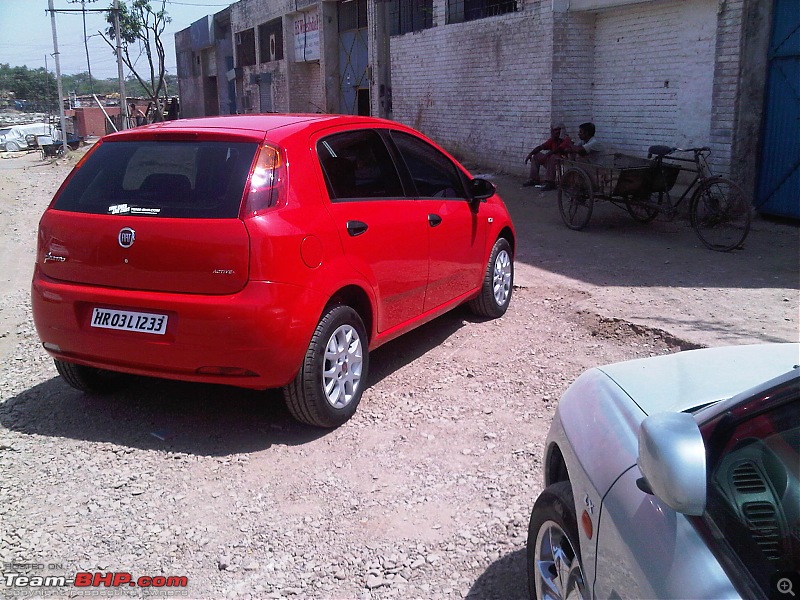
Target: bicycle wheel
pixel 721 214
pixel 575 198
pixel 645 211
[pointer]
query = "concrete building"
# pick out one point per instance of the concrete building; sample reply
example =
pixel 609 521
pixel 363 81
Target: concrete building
pixel 485 78
pixel 206 70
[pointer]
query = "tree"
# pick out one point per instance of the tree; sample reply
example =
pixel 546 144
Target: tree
pixel 83 84
pixel 37 86
pixel 140 31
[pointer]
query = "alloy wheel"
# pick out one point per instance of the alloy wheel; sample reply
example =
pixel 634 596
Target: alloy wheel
pixel 342 368
pixel 501 281
pixel 559 575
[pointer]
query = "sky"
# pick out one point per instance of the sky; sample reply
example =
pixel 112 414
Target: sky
pixel 26 34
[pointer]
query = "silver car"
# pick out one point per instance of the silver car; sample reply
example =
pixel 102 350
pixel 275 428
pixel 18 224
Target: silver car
pixel 676 476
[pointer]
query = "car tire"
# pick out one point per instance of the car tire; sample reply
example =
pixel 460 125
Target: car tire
pixel 328 388
pixel 12 147
pixel 554 557
pixel 498 283
pixel 89 379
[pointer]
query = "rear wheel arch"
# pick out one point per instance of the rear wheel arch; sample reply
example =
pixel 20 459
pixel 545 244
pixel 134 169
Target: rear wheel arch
pixel 356 298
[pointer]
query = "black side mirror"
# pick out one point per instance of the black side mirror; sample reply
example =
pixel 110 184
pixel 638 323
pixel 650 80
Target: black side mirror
pixel 481 189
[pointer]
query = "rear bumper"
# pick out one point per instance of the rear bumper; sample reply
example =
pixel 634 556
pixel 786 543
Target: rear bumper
pixel 258 335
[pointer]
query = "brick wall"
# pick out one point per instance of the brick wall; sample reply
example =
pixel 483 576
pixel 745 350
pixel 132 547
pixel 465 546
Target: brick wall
pixel 725 94
pixel 482 88
pixel 306 91
pixel 91 122
pixel 654 66
pixel 573 70
pixel 487 90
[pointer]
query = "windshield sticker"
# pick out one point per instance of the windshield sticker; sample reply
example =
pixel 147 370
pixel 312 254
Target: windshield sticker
pixel 119 209
pixel 140 210
pixel 125 209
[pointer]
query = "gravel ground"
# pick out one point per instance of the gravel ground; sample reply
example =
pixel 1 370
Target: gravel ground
pixel 425 493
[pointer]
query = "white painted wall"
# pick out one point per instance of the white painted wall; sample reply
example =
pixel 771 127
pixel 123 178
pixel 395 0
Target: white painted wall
pixel 488 89
pixel 483 88
pixel 653 74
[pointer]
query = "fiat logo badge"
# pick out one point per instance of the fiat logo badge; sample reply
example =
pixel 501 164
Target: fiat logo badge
pixel 126 237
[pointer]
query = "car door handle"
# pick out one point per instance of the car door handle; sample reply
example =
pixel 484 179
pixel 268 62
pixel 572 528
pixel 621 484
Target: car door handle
pixel 434 220
pixel 355 228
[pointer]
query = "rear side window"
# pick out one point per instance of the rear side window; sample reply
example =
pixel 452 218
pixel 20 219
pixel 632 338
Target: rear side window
pixel 161 179
pixel 357 164
pixel 434 175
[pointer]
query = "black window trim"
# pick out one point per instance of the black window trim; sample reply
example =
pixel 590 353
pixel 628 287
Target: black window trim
pixel 457 11
pixel 402 177
pixel 410 191
pixel 400 159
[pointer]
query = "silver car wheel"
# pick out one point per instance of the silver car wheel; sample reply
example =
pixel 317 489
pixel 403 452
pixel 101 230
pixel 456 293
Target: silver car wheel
pixel 12 147
pixel 559 575
pixel 341 372
pixel 501 281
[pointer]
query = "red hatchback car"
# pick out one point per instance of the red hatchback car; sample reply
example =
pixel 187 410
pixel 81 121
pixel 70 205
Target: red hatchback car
pixel 262 251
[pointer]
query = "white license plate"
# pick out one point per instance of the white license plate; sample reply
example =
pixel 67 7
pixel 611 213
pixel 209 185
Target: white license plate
pixel 127 320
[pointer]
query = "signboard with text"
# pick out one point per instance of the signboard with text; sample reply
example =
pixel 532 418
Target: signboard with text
pixel 306 36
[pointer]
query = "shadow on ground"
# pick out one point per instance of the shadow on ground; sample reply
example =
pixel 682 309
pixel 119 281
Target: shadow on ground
pixel 505 579
pixel 616 250
pixel 193 418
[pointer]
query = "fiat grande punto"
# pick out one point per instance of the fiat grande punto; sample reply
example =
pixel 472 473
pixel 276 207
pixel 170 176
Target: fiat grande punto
pixel 262 251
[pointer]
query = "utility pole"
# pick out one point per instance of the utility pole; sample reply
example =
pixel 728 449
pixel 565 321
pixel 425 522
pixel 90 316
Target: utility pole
pixel 86 46
pixel 58 79
pixel 123 108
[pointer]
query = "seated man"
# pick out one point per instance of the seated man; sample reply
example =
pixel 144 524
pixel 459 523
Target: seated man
pixel 588 147
pixel 547 154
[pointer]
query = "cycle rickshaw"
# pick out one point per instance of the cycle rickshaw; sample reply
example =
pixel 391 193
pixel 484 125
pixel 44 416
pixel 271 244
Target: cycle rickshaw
pixel 719 210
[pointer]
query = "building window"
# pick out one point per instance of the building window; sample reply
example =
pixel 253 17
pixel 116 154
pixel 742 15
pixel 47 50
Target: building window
pixel 352 15
pixel 406 16
pixel 246 48
pixel 270 41
pixel 459 11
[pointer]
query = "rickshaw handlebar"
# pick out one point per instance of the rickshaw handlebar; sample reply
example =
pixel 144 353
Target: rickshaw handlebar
pixel 667 150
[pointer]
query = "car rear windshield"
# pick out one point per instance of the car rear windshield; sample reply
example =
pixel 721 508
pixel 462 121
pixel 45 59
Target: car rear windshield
pixel 161 179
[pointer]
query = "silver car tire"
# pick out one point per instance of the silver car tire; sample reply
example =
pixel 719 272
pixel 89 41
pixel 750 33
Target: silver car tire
pixel 328 388
pixel 555 570
pixel 12 147
pixel 498 282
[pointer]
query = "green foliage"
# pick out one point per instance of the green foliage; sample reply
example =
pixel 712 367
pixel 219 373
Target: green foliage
pixel 141 28
pixel 79 84
pixel 28 83
pixel 39 86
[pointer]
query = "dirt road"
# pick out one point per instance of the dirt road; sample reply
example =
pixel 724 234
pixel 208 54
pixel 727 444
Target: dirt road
pixel 426 492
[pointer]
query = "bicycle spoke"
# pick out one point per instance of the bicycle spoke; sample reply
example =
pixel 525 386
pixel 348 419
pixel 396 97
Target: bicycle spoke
pixel 721 214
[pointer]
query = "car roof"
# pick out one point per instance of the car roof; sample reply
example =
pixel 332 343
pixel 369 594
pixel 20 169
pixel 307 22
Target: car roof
pixel 253 123
pixel 686 380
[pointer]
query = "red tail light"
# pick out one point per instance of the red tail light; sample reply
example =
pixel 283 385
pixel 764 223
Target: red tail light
pixel 267 182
